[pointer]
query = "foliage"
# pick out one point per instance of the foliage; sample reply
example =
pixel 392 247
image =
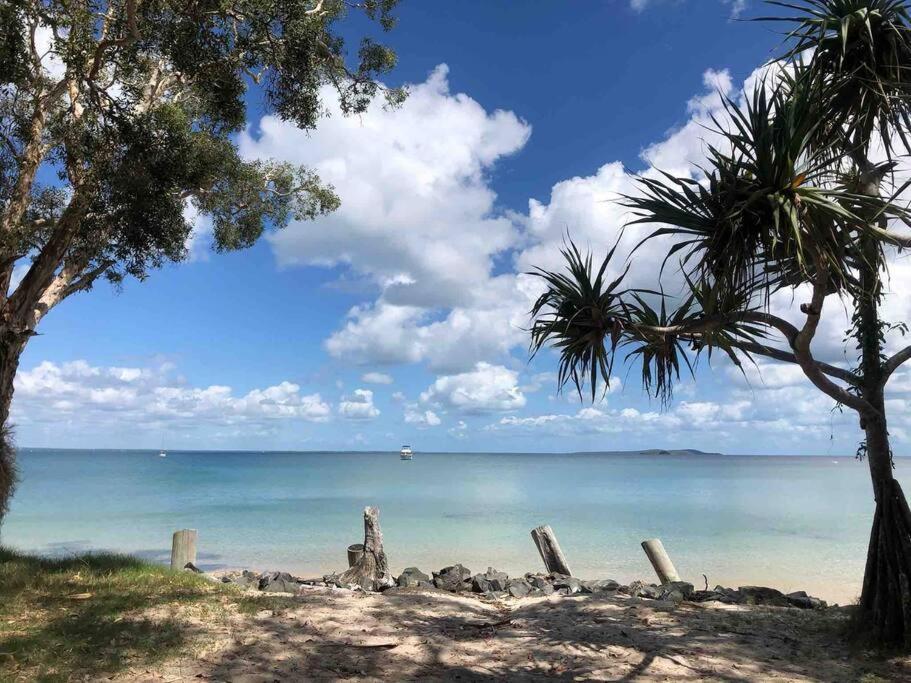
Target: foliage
pixel 100 157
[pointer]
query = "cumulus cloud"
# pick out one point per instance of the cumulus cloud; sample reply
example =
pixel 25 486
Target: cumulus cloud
pixel 418 219
pixel 151 396
pixel 376 378
pixel 487 388
pixel 358 406
pixel 425 418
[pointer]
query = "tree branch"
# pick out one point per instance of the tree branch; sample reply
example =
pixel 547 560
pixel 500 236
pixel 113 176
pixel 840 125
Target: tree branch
pixel 893 363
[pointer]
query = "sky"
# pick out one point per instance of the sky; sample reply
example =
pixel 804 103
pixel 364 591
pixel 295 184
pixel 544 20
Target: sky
pixel 401 317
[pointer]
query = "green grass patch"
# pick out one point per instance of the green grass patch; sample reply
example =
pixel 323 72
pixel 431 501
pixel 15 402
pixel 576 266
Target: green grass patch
pixel 82 616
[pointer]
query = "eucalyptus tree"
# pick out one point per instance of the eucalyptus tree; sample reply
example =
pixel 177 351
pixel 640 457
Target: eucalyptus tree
pixel 118 119
pixel 790 198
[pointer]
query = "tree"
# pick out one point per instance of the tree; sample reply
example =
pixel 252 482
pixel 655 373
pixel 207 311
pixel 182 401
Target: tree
pixel 789 197
pixel 116 116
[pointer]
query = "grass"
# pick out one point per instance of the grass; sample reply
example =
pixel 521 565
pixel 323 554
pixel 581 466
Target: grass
pixel 62 619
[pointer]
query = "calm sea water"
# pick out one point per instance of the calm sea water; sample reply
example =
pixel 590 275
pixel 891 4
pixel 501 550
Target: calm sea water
pixel 790 522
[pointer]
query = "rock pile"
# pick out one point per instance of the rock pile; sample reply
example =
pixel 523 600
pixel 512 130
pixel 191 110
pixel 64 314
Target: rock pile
pixel 495 584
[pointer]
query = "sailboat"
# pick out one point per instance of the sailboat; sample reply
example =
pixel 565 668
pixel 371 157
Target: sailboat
pixel 162 453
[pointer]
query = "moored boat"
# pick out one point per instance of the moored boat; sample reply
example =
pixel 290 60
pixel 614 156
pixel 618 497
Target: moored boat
pixel 406 453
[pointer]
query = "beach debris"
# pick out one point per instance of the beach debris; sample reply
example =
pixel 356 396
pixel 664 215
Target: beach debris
pixel 371 571
pixel 412 577
pixel 496 585
pixel 453 578
pixel 546 541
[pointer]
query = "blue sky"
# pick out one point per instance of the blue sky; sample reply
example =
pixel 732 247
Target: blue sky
pixel 398 319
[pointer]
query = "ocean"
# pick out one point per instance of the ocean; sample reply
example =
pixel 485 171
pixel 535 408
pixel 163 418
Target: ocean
pixel 791 522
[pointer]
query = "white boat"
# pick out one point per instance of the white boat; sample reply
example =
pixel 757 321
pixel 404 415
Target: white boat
pixel 162 454
pixel 406 453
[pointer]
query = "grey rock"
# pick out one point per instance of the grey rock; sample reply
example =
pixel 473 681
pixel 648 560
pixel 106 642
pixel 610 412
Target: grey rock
pixel 519 588
pixel 761 595
pixel 491 580
pixel 278 582
pixel 539 581
pixel 599 586
pixel 495 595
pixel 412 577
pixel 675 591
pixel 706 596
pixel 803 601
pixel 640 589
pixel 567 585
pixel 453 578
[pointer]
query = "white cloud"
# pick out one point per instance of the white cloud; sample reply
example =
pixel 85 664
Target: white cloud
pixel 418 219
pixel 426 418
pixel 358 406
pixel 487 388
pixel 376 378
pixel 151 395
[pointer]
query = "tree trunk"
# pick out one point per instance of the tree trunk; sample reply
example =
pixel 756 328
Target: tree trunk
pixel 11 347
pixel 371 571
pixel 885 605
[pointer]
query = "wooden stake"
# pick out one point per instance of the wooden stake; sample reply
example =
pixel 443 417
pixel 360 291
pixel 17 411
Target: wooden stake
pixel 554 560
pixel 183 548
pixel 660 560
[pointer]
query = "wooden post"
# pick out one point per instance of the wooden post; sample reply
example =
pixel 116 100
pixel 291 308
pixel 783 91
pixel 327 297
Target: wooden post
pixel 355 552
pixel 660 560
pixel 183 548
pixel 371 571
pixel 554 560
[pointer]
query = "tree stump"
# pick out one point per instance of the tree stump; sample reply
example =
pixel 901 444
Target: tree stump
pixel 371 571
pixel 554 560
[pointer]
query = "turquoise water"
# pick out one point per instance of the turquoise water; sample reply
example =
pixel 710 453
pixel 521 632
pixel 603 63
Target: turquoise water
pixel 790 522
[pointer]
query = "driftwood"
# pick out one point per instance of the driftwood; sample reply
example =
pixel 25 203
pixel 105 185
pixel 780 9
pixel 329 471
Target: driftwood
pixel 661 561
pixel 371 571
pixel 554 560
pixel 183 548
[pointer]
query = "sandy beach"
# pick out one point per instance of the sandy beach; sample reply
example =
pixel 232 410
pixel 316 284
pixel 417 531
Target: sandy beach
pixel 425 634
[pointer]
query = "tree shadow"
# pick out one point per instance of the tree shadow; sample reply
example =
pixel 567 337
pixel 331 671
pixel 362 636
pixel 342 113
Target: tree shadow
pixel 82 615
pixel 414 636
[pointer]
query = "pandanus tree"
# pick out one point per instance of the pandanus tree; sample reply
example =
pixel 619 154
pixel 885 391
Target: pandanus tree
pixel 791 197
pixel 119 118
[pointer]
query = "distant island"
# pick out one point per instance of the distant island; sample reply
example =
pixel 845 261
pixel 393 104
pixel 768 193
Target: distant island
pixel 678 451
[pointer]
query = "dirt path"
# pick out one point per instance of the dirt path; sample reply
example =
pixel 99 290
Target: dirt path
pixel 429 635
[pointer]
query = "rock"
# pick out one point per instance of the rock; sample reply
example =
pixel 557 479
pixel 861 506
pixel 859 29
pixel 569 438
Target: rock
pixel 519 588
pixel 640 589
pixel 539 581
pixel 567 585
pixel 491 580
pixel 803 601
pixel 760 595
pixel 245 579
pixel 412 577
pixel 495 595
pixel 706 596
pixel 599 586
pixel 675 591
pixel 453 578
pixel 278 582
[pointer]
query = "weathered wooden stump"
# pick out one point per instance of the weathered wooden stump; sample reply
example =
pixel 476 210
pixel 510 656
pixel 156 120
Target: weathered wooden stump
pixel 371 571
pixel 554 560
pixel 355 552
pixel 183 548
pixel 661 561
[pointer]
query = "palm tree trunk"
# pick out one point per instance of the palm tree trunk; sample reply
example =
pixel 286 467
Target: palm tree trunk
pixel 885 604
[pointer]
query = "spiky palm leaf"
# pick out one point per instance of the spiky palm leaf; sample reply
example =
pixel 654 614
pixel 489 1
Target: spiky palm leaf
pixel 861 51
